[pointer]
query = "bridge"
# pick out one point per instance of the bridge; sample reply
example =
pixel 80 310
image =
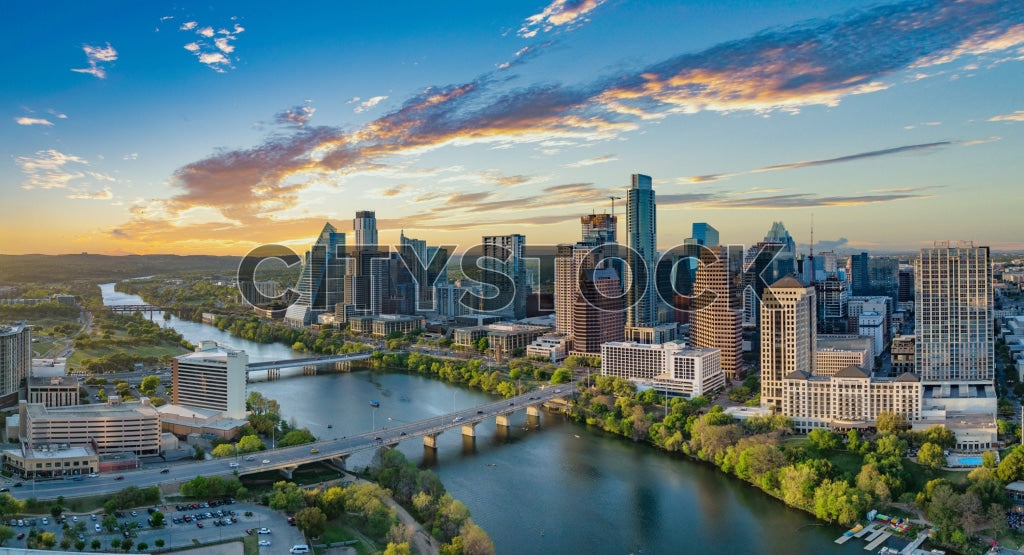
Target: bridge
pixel 309 366
pixel 133 308
pixel 287 459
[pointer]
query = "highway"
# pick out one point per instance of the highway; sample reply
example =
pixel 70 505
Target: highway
pixel 286 457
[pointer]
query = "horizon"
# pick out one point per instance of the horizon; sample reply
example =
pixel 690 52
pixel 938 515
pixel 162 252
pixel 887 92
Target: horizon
pixel 889 126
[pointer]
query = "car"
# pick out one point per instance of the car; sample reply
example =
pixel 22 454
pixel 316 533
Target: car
pixel 263 531
pixel 314 451
pixel 457 419
pixel 403 433
pixel 18 484
pixel 75 518
pixel 165 471
pixel 233 465
pixel 45 521
pixel 78 478
pixel 378 438
pixel 97 527
pixel 291 520
pixel 266 461
pixel 2 490
pixel 248 531
pixel 263 543
pixel 21 522
pixel 479 412
pixel 299 549
pixel 119 478
pixel 199 524
pixel 250 458
pixel 92 516
pixel 134 513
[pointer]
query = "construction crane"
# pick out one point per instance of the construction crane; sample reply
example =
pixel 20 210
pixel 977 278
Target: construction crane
pixel 613 199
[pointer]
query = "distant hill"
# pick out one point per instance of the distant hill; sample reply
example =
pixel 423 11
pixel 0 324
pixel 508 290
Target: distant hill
pixel 44 268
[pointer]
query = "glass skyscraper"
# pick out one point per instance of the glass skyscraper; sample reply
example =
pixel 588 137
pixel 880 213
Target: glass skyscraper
pixel 641 224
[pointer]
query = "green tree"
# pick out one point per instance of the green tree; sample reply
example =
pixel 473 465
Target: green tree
pixel 110 522
pixel 250 444
pixel 931 455
pixel 143 546
pixel 286 496
pixel 9 506
pixel 823 440
pixel 296 437
pixel 6 533
pixel 127 544
pixel 149 385
pixel 224 450
pixel 939 435
pixel 889 422
pixel 474 540
pixel 398 549
pixel 158 520
pixel 836 501
pixel 311 520
pixel 482 344
pixel 115 543
pixel 158 542
pixel 562 375
pixel 96 545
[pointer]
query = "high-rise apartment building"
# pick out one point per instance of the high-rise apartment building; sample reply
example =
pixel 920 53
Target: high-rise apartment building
pixel 717 321
pixel 788 337
pixel 832 300
pixel 505 255
pixel 641 224
pixel 599 228
pixel 15 361
pixel 953 313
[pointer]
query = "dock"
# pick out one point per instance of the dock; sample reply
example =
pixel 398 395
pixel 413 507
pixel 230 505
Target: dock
pixel 843 539
pixel 867 529
pixel 912 546
pixel 878 541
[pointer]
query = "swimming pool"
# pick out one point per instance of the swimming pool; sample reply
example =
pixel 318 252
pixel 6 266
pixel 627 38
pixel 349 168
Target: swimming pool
pixel 966 461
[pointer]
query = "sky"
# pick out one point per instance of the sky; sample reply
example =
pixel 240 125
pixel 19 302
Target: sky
pixel 213 128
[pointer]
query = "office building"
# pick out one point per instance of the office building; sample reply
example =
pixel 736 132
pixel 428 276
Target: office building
pixel 598 229
pixel 717 321
pixel 385 324
pixel 51 461
pixel 832 304
pixel 704 234
pixel 553 348
pixel 883 276
pixel 858 266
pixel 669 368
pixel 213 377
pixel 872 324
pixel 321 280
pixel 598 315
pixel 953 310
pixel 641 226
pixel 905 288
pixel 365 227
pixel 788 337
pixel 505 255
pixel 15 361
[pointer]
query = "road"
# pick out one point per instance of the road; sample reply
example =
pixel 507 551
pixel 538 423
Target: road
pixel 287 457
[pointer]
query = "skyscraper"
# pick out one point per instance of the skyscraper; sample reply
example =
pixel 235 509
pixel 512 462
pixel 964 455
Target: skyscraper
pixel 365 227
pixel 505 254
pixel 718 314
pixel 641 224
pixel 599 228
pixel 705 234
pixel 788 336
pixel 320 285
pixel 953 313
pixel 859 284
pixel 597 311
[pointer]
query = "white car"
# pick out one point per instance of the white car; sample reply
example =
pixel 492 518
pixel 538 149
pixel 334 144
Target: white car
pixel 74 518
pixel 97 527
pixel 263 543
pixel 46 520
pixel 264 530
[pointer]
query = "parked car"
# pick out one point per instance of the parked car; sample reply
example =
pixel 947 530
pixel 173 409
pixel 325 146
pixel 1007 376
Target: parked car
pixel 263 543
pixel 165 471
pixel 119 478
pixel 264 531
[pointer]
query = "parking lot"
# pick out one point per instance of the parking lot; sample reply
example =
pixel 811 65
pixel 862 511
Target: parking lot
pixel 177 530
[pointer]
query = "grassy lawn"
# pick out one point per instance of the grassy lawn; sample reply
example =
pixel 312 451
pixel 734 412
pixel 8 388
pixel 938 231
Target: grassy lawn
pixel 338 531
pixel 846 462
pixel 74 505
pixel 172 349
pixel 249 545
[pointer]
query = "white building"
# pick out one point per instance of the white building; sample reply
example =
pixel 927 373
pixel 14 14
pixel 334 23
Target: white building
pixel 552 347
pixel 849 399
pixel 213 377
pixel 872 324
pixel 668 367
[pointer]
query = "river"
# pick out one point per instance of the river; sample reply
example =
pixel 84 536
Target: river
pixel 548 486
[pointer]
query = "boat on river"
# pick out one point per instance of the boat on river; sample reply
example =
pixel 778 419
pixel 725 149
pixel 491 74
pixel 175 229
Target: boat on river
pixel 374 403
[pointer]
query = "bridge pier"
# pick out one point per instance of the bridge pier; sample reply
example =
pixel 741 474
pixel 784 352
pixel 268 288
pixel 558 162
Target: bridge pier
pixel 501 420
pixel 532 410
pixel 338 461
pixel 287 471
pixel 469 429
pixel 273 374
pixel 430 440
pixel 309 370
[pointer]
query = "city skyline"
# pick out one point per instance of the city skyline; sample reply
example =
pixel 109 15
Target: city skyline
pixel 213 130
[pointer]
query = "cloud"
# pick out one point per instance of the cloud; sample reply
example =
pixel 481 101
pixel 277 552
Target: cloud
pixel 132 156
pixel 560 13
pixel 367 104
pixel 46 170
pixel 297 115
pixel 103 194
pixel 827 245
pixel 33 121
pixel 1016 116
pixel 213 54
pixel 592 161
pixel 97 55
pixel 395 191
pixel 837 160
pixel 781 69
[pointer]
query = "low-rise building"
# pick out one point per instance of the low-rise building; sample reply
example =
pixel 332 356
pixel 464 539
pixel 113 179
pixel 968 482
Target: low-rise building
pixel 503 339
pixel 109 428
pixel 56 391
pixel 901 353
pixel 554 348
pixel 48 461
pixel 670 368
pixel 849 399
